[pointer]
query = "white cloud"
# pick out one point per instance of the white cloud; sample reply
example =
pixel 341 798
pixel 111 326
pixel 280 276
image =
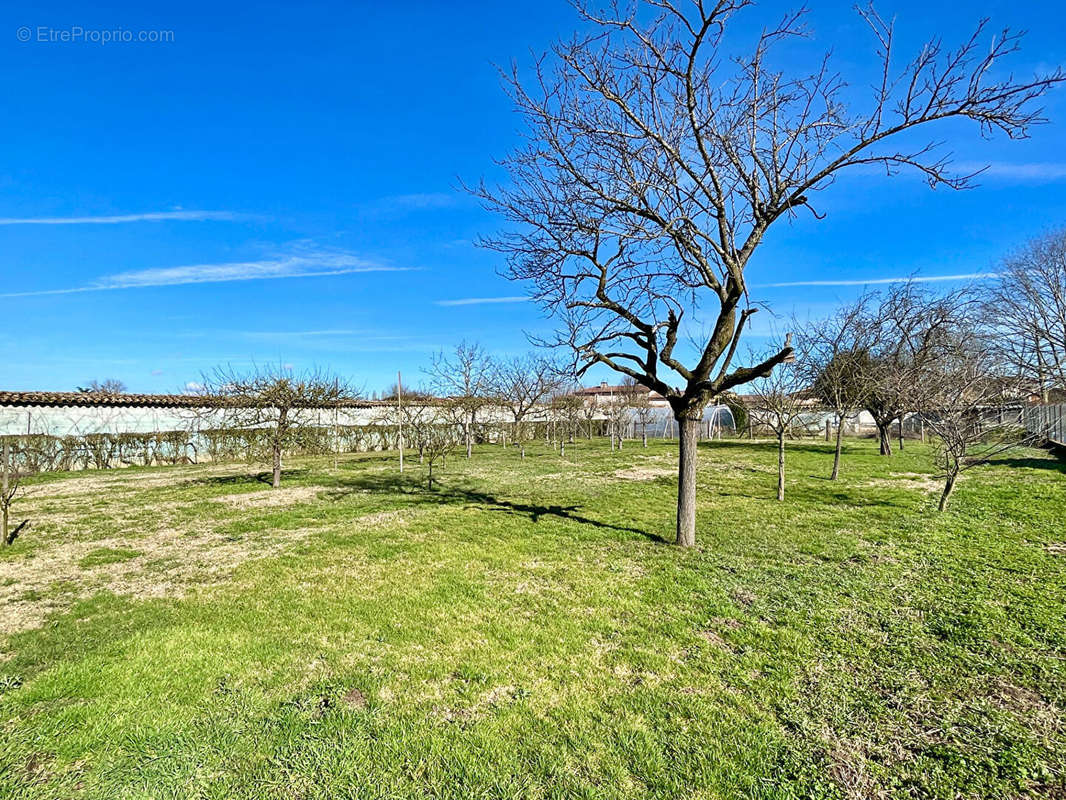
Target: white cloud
pixel 971 276
pixel 474 301
pixel 1031 172
pixel 152 216
pixel 304 264
pixel 419 200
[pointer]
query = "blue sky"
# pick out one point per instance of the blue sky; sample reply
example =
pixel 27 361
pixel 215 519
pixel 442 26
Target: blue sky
pixel 279 183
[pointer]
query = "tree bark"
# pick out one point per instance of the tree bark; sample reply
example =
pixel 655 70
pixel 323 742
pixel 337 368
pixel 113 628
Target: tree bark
pixel 901 433
pixel 687 433
pixel 781 466
pixel 278 443
pixel 949 487
pixel 4 487
pixel 885 437
pixel 836 453
pixel 470 434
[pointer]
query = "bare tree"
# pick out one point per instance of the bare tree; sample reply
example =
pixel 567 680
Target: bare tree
pixel 109 386
pixel 418 416
pixel 656 163
pixel 273 403
pixel 590 410
pixel 617 412
pixel 959 393
pixel 520 384
pixel 902 331
pixel 780 406
pixel 465 377
pixel 834 356
pixel 1026 313
pixel 10 483
pixel 638 402
pixel 443 434
pixel 567 409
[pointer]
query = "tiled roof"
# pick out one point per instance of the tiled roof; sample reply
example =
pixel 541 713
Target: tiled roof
pixel 102 400
pixel 618 390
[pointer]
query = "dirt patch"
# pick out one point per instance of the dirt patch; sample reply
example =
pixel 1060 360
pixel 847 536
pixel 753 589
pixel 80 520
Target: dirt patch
pixel 744 597
pixel 909 480
pixel 379 519
pixel 167 563
pixel 1056 548
pixel 715 639
pixel 35 768
pixel 728 623
pixel 109 481
pixel 1026 704
pixel 644 473
pixel 166 560
pixel 850 771
pixel 354 699
pixel 271 498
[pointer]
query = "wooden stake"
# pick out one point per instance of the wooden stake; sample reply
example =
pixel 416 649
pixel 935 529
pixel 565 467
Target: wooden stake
pixel 399 416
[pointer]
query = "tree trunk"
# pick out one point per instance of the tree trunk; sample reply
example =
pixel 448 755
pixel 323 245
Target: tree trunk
pixel 781 466
pixel 949 487
pixel 687 435
pixel 276 483
pixel 836 453
pixel 644 435
pixel 885 437
pixel 4 498
pixel 279 442
pixel 901 434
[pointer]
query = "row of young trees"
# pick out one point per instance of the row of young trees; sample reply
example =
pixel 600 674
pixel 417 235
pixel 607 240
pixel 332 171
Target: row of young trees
pixel 283 404
pixel 947 360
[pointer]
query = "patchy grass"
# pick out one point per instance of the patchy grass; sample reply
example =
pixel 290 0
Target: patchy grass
pixel 99 556
pixel 524 631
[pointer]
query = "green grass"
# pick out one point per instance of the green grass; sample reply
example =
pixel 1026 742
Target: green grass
pixel 525 631
pixel 106 555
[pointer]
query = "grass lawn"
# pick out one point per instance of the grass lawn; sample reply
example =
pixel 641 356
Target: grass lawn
pixel 524 631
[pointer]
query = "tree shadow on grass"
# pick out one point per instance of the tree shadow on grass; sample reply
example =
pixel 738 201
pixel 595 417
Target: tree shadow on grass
pixel 1051 463
pixel 248 478
pixel 412 493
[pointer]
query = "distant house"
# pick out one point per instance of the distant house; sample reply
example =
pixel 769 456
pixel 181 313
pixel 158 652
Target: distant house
pixel 605 394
